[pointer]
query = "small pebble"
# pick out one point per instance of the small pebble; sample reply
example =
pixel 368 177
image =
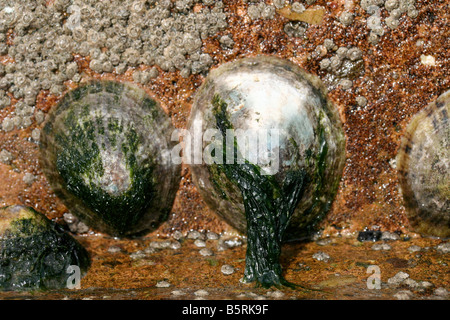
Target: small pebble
pixel 227 269
pixel 178 293
pixel 212 236
pixel 163 284
pixel 441 292
pixel 200 243
pixel 193 235
pixel 177 235
pixel 324 242
pixel 411 283
pixel 381 246
pixel 201 293
pixel 398 278
pixel 175 245
pixel 138 255
pixel 114 249
pixel 321 256
pixel 206 252
pixel 403 295
pixel 160 244
pixel 443 247
pixel 389 236
pixel 414 248
pixel 277 294
pixel 222 247
pixel 361 101
pixel 231 243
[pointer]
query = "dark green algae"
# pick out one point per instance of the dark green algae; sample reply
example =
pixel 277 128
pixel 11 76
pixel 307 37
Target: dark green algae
pixel 106 121
pixel 35 252
pixel 268 203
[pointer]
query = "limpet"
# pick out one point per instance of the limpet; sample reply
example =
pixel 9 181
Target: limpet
pixel 105 150
pixel 270 189
pixel 423 164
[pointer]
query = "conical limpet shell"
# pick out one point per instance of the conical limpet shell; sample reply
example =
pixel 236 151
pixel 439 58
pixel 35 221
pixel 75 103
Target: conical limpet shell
pixel 423 164
pixel 105 150
pixel 274 165
pixel 271 93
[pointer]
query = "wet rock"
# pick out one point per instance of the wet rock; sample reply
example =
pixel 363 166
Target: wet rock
pixel 35 253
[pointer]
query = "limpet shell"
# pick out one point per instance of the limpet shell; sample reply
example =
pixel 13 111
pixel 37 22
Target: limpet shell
pixel 423 164
pixel 105 150
pixel 271 93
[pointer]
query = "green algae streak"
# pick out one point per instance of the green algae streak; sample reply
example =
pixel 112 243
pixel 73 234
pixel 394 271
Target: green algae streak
pixel 268 208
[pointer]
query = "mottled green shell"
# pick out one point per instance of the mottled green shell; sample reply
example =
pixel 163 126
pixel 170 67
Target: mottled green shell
pixel 105 150
pixel 423 164
pixel 271 93
pixel 35 252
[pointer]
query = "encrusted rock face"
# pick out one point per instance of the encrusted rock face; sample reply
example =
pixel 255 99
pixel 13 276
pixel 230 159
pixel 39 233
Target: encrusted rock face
pixel 423 164
pixel 105 150
pixel 36 253
pixel 274 165
pixel 266 93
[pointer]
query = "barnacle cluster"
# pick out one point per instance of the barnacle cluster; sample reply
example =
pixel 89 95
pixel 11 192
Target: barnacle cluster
pixel 396 9
pixel 343 66
pixel 261 10
pixel 40 39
